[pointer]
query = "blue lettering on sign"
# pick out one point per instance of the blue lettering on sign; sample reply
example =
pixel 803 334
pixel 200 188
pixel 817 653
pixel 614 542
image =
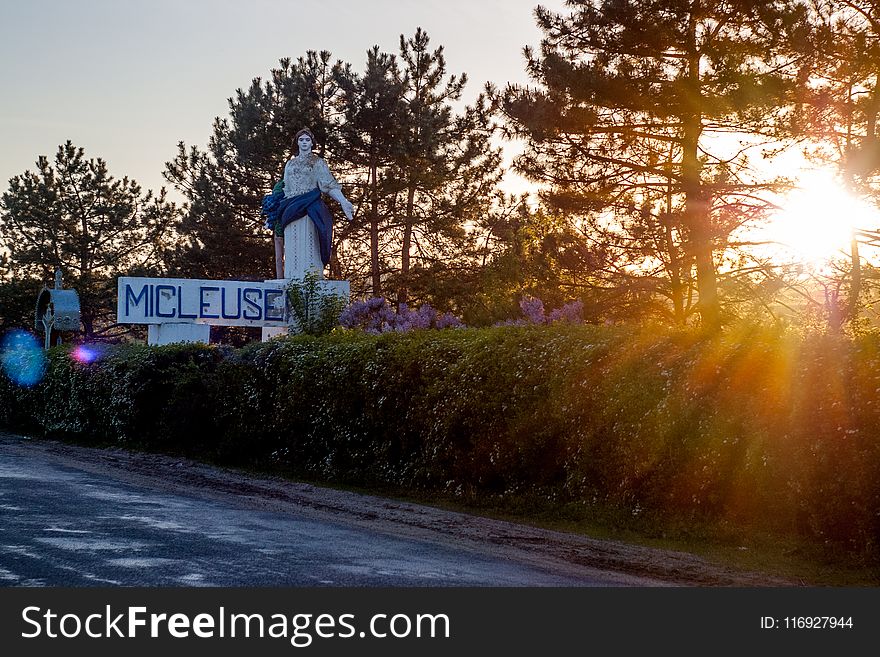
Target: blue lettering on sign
pixel 223 304
pixel 204 305
pixel 150 302
pixel 180 304
pixel 159 296
pixel 269 311
pixel 252 303
pixel 131 298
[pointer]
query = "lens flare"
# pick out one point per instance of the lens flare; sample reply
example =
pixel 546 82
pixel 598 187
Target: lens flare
pixel 816 221
pixel 22 359
pixel 85 354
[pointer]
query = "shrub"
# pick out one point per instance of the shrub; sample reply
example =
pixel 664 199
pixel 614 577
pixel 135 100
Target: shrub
pixel 314 312
pixel 376 316
pixel 533 313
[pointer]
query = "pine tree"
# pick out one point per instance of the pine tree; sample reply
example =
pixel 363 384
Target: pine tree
pixel 634 120
pixel 73 215
pixel 370 137
pixel 446 162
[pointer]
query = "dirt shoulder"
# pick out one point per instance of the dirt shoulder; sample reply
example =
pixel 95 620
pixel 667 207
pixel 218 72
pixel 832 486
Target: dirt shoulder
pixel 555 550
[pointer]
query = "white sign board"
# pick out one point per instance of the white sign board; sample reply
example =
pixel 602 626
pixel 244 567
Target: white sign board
pixel 192 301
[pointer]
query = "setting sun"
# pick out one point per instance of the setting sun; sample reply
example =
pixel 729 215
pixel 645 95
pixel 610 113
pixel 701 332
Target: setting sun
pixel 816 220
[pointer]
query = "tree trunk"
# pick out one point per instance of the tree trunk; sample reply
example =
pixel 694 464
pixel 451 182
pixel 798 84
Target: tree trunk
pixel 403 291
pixel 374 232
pixel 672 250
pixel 335 267
pixel 88 324
pixel 868 163
pixel 855 287
pixel 676 288
pixel 697 215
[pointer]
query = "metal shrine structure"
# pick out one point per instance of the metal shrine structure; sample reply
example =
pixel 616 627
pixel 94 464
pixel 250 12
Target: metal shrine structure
pixel 57 310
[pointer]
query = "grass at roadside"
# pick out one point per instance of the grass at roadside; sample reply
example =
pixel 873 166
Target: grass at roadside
pixel 799 561
pixel 761 552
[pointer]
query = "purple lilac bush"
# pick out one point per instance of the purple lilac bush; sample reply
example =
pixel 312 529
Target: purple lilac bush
pixel 533 313
pixel 376 316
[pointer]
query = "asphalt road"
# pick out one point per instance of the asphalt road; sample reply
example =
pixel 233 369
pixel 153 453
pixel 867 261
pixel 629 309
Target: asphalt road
pixel 65 526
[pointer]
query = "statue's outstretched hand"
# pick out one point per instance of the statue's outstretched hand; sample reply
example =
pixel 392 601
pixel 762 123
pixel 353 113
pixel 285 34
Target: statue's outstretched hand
pixel 347 209
pixel 344 203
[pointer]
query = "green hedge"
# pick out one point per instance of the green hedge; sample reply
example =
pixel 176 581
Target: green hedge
pixel 754 427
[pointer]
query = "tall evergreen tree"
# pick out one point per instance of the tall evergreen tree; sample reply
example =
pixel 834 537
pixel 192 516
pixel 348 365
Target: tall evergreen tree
pixel 422 172
pixel 73 215
pixel 640 104
pixel 370 137
pixel 446 163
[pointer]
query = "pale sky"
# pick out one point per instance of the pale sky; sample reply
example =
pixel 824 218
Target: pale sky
pixel 128 79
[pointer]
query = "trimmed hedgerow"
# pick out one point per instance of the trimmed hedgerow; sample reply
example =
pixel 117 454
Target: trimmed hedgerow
pixel 755 427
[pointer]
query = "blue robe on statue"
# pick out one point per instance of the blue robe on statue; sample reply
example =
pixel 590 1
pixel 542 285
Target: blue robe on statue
pixel 280 211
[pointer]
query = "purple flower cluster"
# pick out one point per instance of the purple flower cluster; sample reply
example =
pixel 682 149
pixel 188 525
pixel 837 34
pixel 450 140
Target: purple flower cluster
pixel 377 316
pixel 570 313
pixel 533 310
pixel 533 313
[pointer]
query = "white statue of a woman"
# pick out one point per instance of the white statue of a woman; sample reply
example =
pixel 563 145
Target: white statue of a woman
pixel 297 214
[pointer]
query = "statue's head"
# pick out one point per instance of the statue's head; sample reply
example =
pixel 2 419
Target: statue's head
pixel 304 141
